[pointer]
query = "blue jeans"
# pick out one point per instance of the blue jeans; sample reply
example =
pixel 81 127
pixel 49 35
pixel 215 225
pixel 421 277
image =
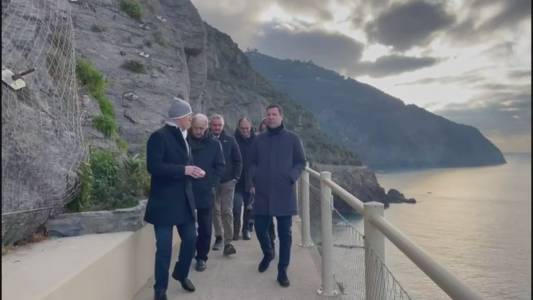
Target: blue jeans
pixel 262 224
pixel 163 236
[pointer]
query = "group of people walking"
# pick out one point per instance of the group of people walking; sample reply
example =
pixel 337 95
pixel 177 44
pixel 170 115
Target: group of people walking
pixel 202 177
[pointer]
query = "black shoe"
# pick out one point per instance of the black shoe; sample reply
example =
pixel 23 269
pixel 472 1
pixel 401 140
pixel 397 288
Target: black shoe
pixel 265 262
pixel 160 295
pixel 284 281
pixel 218 243
pixel 200 265
pixel 246 235
pixel 187 285
pixel 229 249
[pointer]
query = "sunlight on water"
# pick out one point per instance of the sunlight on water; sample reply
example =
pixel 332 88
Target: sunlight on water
pixel 475 221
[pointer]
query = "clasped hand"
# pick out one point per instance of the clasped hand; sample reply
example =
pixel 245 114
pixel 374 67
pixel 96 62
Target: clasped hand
pixel 194 172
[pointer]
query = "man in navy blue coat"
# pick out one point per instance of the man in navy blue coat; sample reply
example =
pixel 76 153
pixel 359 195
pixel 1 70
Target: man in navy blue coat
pixel 277 160
pixel 242 200
pixel 171 201
pixel 207 154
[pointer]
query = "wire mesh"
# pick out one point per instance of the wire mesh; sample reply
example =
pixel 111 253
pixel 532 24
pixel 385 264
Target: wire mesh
pixel 349 255
pixel 42 141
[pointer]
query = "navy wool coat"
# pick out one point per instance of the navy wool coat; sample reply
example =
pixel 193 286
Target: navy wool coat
pixel 245 146
pixel 232 157
pixel 277 160
pixel 207 154
pixel 171 200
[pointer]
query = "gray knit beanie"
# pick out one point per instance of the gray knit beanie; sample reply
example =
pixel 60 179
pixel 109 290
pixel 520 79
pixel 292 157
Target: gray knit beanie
pixel 179 109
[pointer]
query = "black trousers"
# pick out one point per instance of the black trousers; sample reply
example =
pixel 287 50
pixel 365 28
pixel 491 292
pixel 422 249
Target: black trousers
pixel 205 230
pixel 262 224
pixel 163 236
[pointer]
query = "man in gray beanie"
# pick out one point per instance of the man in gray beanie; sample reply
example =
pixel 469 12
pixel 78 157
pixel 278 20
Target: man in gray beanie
pixel 171 201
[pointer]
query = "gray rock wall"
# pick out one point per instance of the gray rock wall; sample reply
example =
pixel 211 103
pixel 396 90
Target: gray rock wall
pixel 171 33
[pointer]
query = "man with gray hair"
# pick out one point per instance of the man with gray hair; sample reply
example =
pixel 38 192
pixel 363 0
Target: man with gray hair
pixel 223 221
pixel 171 200
pixel 207 154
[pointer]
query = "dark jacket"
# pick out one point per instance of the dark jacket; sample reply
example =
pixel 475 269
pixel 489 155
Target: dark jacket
pixel 232 157
pixel 207 154
pixel 277 161
pixel 171 200
pixel 245 146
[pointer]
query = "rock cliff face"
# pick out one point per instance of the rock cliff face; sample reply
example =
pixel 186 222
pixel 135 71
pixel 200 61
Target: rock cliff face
pixel 381 129
pixel 170 33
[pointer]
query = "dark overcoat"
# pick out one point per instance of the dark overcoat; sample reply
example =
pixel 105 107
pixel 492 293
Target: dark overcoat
pixel 207 154
pixel 245 146
pixel 232 157
pixel 171 200
pixel 277 161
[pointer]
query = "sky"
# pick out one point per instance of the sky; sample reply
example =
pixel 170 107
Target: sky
pixel 467 60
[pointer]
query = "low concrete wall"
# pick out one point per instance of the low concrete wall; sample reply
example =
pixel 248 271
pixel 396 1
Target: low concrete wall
pixel 97 266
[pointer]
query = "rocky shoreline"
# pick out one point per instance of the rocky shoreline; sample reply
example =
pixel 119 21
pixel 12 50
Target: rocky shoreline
pixel 362 183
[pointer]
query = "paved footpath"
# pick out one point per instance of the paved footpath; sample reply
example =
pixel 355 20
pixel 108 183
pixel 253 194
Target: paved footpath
pixel 236 277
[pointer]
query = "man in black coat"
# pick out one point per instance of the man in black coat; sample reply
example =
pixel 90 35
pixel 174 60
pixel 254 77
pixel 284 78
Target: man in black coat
pixel 245 136
pixel 223 220
pixel 207 154
pixel 171 201
pixel 277 160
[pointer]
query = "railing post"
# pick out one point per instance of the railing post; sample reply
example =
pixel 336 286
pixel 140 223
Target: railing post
pixel 305 210
pixel 328 283
pixel 374 240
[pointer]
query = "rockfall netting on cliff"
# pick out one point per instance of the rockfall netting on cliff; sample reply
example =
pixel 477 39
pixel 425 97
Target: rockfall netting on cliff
pixel 42 142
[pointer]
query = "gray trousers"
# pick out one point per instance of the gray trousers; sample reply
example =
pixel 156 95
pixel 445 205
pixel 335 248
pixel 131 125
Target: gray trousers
pixel 223 208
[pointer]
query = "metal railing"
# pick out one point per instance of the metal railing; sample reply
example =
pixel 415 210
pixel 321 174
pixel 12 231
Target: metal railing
pixel 376 229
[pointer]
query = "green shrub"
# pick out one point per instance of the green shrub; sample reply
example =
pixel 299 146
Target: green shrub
pixel 111 180
pixel 134 66
pixel 105 124
pixel 83 200
pixel 122 144
pixel 132 8
pixel 90 77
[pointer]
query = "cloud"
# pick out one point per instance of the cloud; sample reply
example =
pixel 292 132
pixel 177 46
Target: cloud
pixel 519 74
pixel 330 50
pixel 408 24
pixel 480 23
pixel 465 79
pixel 505 118
pixel 315 8
pixel 505 112
pixel 392 65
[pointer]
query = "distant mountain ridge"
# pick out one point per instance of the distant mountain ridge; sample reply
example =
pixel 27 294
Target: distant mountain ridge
pixel 381 129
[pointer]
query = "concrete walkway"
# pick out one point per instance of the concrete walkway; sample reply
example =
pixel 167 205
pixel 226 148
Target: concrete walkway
pixel 236 277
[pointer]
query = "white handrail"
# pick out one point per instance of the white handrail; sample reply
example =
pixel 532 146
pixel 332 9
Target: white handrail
pixel 442 277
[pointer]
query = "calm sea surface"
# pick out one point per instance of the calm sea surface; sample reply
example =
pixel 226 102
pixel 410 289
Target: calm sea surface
pixel 474 221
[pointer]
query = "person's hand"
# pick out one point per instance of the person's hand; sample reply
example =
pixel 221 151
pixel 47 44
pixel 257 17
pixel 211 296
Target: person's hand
pixel 252 190
pixel 194 172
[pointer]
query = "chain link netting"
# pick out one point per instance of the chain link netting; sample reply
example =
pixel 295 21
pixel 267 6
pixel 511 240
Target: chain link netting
pixel 349 254
pixel 42 141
